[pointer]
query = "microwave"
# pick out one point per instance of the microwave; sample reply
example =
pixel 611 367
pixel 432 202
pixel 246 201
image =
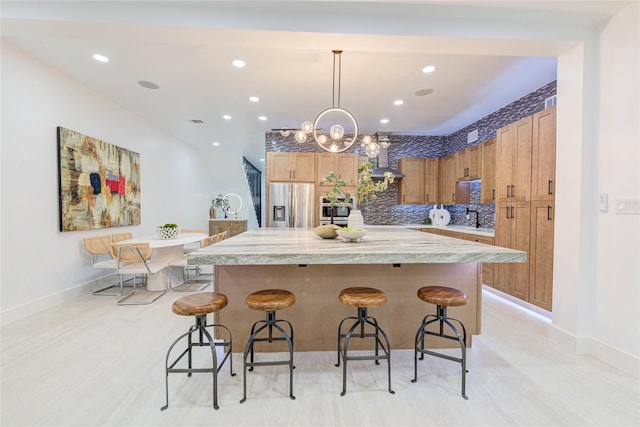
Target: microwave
pixel 335 214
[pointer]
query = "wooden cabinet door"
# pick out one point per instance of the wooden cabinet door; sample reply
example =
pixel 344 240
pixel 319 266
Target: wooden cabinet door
pixel 431 181
pixel 304 167
pixel 505 159
pixel 326 163
pixel 462 165
pixel 447 178
pixel 488 186
pixel 520 221
pixel 411 186
pixel 279 167
pixel 348 168
pixel 502 271
pixel 541 254
pixel 474 161
pixel 543 155
pixel 521 190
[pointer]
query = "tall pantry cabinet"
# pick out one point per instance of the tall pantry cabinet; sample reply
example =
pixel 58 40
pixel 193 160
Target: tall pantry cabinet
pixel 525 187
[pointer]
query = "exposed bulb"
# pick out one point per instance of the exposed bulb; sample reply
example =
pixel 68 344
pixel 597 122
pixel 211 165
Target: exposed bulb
pixel 307 127
pixel 336 132
pixel 372 150
pixel 322 139
pixel 366 140
pixel 385 144
pixel 285 132
pixel 301 137
pixel 334 147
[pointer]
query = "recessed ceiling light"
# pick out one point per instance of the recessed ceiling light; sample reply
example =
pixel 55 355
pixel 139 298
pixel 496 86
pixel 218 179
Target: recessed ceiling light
pixel 226 117
pixel 398 102
pixel 239 63
pixel 423 92
pixel 263 118
pixel 216 144
pixel 262 160
pixel 148 85
pixel 384 121
pixel 429 69
pixel 100 58
pixel 254 99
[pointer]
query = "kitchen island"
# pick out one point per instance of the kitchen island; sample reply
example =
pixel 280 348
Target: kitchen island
pixel 395 260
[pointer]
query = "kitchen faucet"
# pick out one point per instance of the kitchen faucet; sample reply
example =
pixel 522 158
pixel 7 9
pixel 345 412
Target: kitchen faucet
pixel 477 217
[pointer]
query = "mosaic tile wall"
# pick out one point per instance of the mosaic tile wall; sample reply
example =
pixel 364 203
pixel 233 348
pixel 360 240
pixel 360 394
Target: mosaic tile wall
pixel 385 210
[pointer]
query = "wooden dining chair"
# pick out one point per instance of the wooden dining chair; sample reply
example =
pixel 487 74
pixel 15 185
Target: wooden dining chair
pixel 101 259
pixel 135 259
pixel 119 237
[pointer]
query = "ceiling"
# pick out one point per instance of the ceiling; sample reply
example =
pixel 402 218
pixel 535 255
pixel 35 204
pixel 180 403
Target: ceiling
pixel 186 48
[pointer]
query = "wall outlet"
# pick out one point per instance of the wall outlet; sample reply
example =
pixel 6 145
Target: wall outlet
pixel 604 202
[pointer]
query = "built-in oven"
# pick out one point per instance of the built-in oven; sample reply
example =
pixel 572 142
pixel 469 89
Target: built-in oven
pixel 335 214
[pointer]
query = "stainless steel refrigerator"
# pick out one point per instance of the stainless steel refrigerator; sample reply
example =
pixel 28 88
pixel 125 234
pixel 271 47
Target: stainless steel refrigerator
pixel 291 205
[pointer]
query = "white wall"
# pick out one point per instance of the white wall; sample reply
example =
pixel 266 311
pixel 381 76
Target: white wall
pixel 38 261
pixel 596 269
pixel 618 237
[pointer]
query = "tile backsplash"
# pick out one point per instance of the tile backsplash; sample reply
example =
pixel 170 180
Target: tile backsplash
pixel 385 210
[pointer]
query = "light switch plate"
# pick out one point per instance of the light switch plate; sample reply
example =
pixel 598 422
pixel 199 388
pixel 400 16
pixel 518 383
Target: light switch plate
pixel 604 202
pixel 630 206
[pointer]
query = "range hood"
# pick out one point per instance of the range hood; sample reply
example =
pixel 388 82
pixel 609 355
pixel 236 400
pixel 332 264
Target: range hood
pixel 382 165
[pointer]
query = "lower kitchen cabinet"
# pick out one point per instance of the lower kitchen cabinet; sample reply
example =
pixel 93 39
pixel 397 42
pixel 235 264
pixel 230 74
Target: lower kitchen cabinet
pixel 513 231
pixel 231 226
pixel 541 254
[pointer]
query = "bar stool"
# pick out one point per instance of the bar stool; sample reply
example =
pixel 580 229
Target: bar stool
pixel 199 305
pixel 269 301
pixel 363 298
pixel 442 297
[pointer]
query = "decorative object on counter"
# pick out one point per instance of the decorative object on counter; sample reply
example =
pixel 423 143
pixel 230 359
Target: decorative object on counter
pixel 351 234
pixel 168 231
pixel 234 204
pixel 220 205
pixel 328 231
pixel 366 189
pixel 337 140
pixel 441 216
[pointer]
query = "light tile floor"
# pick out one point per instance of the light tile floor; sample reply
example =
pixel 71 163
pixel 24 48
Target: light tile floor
pixel 92 363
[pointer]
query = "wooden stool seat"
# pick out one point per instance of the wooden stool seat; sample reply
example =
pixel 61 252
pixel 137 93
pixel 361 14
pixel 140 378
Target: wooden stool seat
pixel 270 300
pixel 363 297
pixel 199 304
pixel 442 295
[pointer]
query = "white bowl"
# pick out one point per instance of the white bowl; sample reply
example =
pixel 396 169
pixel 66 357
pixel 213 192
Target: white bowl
pixel 352 236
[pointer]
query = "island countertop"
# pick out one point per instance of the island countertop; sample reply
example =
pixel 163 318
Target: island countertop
pixel 381 245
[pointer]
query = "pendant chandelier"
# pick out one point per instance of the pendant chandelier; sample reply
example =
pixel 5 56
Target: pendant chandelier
pixel 342 125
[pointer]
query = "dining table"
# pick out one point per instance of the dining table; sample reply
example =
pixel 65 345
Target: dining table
pixel 165 250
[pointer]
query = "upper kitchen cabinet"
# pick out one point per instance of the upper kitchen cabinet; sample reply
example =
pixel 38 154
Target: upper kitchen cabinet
pixel 419 186
pixel 451 192
pixel 488 187
pixel 469 163
pixel 513 154
pixel 291 167
pixel 543 155
pixel 344 165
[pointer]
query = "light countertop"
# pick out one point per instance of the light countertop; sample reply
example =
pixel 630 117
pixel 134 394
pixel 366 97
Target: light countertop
pixel 488 232
pixel 381 245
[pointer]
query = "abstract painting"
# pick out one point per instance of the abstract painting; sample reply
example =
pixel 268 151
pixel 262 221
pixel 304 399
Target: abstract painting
pixel 99 183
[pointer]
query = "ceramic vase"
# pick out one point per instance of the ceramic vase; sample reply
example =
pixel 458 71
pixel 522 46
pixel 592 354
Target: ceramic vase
pixel 355 219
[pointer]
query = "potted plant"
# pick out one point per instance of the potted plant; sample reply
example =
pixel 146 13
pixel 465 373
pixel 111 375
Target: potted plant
pixel 220 205
pixel 366 189
pixel 168 231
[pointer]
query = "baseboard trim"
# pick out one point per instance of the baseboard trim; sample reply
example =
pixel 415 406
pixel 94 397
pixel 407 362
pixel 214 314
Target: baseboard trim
pixel 608 354
pixel 21 312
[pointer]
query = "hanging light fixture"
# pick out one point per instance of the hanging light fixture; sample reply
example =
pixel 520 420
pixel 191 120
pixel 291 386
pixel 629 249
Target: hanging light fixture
pixel 342 125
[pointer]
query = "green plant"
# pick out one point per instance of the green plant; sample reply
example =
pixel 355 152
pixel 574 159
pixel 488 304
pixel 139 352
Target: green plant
pixel 169 226
pixel 221 202
pixel 366 187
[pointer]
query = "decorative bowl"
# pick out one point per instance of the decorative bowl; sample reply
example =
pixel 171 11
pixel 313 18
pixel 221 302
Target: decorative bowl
pixel 168 232
pixel 327 231
pixel 351 236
